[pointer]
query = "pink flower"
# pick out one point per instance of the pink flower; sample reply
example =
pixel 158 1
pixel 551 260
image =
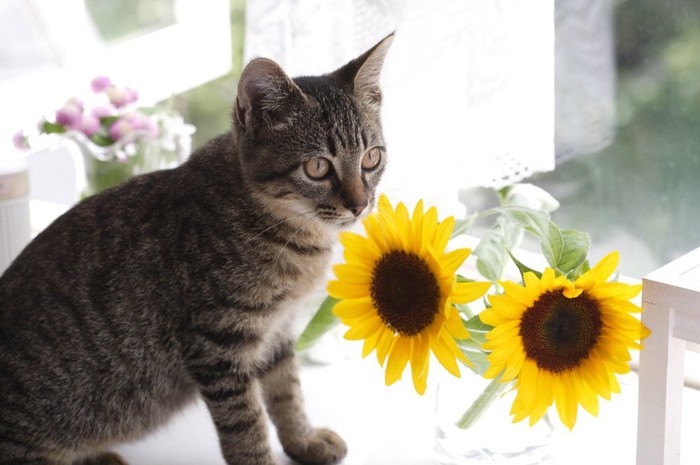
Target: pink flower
pixel 131 95
pixel 76 102
pixel 100 84
pixel 20 141
pixel 101 112
pixel 90 124
pixel 120 97
pixel 120 128
pixel 142 122
pixel 71 114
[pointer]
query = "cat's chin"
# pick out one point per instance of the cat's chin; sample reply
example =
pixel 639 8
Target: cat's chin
pixel 339 224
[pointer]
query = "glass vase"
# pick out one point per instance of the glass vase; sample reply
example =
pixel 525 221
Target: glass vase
pixel 474 426
pixel 109 166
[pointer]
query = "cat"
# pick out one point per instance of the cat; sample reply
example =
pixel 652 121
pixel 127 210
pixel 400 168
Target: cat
pixel 182 283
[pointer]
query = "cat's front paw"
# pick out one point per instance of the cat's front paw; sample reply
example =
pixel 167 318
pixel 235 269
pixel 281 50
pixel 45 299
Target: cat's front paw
pixel 321 447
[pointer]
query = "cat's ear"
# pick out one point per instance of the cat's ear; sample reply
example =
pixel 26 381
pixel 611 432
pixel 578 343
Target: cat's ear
pixel 266 95
pixel 361 75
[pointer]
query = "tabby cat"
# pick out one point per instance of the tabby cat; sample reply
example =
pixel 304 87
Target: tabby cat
pixel 182 283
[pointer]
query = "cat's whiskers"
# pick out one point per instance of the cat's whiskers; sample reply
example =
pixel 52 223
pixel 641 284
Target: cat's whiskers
pixel 312 243
pixel 292 237
pixel 282 222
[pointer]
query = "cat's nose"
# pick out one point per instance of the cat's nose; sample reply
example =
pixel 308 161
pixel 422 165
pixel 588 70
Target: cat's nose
pixel 357 208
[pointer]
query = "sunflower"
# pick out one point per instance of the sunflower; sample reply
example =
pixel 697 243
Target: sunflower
pixel 563 342
pixel 398 289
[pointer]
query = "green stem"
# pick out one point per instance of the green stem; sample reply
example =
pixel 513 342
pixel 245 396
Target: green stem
pixel 483 402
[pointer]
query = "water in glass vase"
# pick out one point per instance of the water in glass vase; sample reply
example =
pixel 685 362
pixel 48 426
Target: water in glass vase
pixel 465 436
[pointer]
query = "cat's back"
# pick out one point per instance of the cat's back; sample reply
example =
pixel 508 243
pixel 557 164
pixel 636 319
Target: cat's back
pixel 97 299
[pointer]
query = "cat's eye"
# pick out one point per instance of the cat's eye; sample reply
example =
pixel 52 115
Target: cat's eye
pixel 317 168
pixel 371 159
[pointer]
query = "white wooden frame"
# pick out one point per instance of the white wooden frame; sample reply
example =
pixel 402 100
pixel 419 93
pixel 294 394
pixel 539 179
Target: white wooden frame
pixel 671 301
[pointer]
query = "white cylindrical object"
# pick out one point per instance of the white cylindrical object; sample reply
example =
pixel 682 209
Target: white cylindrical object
pixel 15 228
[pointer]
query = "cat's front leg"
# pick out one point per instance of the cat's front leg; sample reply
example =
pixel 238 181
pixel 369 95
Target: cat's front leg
pixel 232 394
pixel 283 398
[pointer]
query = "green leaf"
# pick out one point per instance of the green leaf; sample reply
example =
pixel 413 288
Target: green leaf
pixel 101 139
pixel 473 352
pixel 464 279
pixel 463 225
pixel 528 195
pixel 108 120
pixel 491 251
pixel 523 268
pixel 472 347
pixel 541 226
pixel 322 322
pixel 579 270
pixel 490 257
pixel 477 329
pixel 52 128
pixel 464 310
pixel 575 250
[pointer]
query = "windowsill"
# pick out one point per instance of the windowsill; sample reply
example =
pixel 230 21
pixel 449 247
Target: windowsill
pixel 395 425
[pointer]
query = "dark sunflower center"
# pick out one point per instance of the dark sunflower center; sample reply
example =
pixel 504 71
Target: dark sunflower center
pixel 405 292
pixel 559 333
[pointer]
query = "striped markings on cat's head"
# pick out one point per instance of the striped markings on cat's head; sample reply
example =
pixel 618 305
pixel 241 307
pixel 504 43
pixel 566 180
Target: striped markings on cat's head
pixel 313 146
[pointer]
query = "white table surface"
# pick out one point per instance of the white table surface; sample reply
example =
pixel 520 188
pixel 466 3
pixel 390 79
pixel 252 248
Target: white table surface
pixel 393 425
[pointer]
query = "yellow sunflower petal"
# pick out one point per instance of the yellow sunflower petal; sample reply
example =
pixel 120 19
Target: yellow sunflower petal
pixel 379 233
pixel 420 357
pixel 384 344
pixel 514 366
pixel 527 389
pixel 595 375
pixel 445 355
pixel 492 317
pixel 442 235
pixel 451 261
pixel 352 274
pixel 403 224
pixel 565 400
pixel 429 228
pixel 354 258
pixel 353 308
pixel 547 279
pixel 361 244
pixel 399 355
pixel 343 290
pixel 370 343
pixel 544 388
pixel 417 227
pixel 516 292
pixel 505 307
pixel 364 328
pixel 606 266
pixel 384 206
pixel 532 285
pixel 586 396
pixel 463 293
pixel 455 326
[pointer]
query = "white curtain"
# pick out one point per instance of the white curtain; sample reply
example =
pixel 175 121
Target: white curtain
pixel 468 84
pixel 585 77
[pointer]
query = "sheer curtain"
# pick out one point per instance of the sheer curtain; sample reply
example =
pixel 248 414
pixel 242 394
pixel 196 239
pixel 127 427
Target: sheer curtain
pixel 468 85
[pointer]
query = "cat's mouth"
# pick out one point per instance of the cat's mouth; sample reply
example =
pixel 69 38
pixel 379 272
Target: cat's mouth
pixel 340 219
pixel 337 219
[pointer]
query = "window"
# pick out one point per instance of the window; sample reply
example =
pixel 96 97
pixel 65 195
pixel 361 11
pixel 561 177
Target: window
pixel 51 50
pixel 639 194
